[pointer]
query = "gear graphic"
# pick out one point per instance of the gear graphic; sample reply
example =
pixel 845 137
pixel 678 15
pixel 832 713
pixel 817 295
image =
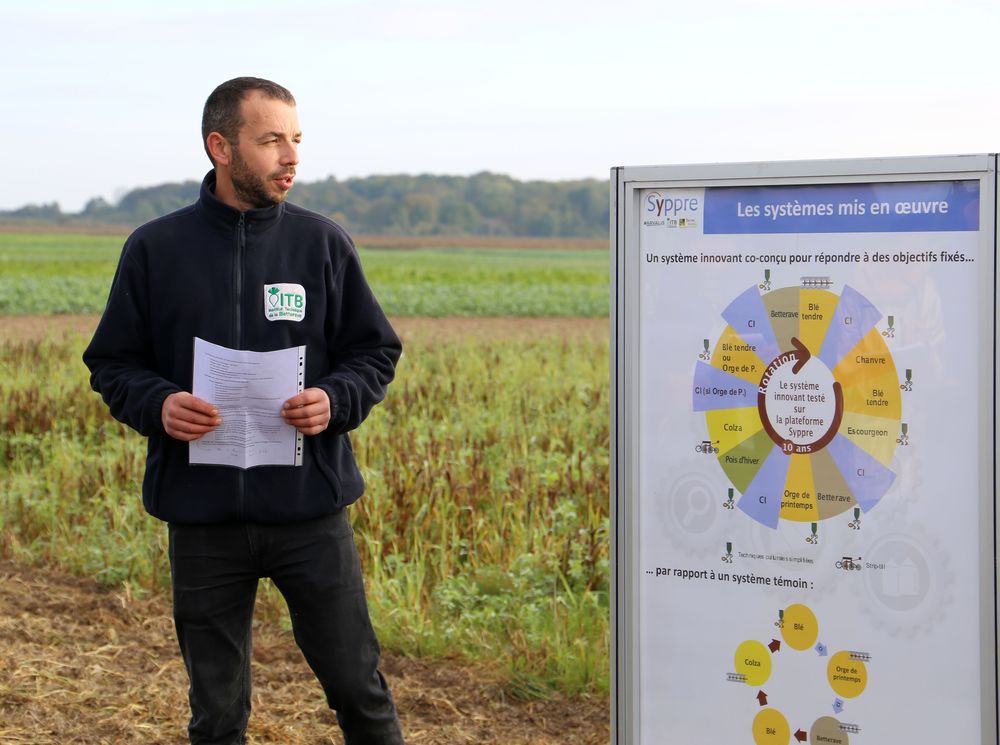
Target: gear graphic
pixel 911 587
pixel 690 510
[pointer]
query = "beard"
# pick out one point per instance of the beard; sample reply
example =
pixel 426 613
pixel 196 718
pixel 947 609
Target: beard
pixel 252 189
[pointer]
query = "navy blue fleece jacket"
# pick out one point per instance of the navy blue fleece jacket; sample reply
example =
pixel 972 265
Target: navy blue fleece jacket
pixel 202 271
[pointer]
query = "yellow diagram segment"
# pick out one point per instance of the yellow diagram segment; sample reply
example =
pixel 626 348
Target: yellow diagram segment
pixel 736 357
pixel 753 662
pixel 869 380
pixel 799 499
pixel 816 309
pixel 875 435
pixel 800 629
pixel 771 728
pixel 730 427
pixel 848 676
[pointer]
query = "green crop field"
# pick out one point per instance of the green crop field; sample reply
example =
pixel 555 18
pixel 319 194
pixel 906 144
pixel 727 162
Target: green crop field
pixel 485 526
pixel 63 273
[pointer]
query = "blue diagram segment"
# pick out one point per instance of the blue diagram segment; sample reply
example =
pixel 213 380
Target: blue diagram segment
pixel 748 317
pixel 714 389
pixel 761 500
pixel 852 320
pixel 867 479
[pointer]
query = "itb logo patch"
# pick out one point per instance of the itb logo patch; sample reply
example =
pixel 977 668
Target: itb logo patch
pixel 284 302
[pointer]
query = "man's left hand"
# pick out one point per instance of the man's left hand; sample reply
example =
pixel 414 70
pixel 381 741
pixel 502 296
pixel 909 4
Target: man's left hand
pixel 308 412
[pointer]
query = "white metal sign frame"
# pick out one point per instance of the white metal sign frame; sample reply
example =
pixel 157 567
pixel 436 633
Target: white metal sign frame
pixel 642 669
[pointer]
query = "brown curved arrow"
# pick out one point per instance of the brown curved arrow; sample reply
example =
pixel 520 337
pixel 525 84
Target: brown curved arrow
pixel 802 352
pixel 801 355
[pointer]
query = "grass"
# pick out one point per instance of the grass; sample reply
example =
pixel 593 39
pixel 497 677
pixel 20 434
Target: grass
pixel 484 527
pixel 489 467
pixel 65 273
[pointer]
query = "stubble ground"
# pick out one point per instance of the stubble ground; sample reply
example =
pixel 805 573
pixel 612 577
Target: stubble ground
pixel 83 664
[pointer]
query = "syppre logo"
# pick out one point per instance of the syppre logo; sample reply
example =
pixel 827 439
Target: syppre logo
pixel 284 302
pixel 677 208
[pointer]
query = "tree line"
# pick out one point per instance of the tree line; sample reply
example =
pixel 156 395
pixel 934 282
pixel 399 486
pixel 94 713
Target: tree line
pixel 481 204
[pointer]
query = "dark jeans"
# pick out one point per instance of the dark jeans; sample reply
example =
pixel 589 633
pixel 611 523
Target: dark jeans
pixel 215 569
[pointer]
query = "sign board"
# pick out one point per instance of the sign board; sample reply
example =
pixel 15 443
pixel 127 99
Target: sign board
pixel 803 452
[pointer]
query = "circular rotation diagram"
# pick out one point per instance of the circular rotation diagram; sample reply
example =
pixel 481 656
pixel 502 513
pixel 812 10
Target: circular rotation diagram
pixel 803 403
pixel 846 672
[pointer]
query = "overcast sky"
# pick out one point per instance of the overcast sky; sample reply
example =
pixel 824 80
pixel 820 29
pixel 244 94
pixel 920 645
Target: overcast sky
pixel 102 97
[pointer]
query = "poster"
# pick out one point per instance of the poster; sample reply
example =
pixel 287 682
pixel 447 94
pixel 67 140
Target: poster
pixel 808 477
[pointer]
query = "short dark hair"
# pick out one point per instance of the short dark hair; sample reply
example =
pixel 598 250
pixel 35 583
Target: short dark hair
pixel 222 109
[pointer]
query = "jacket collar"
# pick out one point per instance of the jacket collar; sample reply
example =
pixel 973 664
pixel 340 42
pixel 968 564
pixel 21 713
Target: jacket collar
pixel 223 216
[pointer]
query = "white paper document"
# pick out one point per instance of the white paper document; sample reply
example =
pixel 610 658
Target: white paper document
pixel 248 389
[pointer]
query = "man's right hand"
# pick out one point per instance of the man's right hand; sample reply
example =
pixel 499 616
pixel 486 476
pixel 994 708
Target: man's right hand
pixel 187 417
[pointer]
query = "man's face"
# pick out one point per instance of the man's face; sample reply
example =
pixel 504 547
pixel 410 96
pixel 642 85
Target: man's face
pixel 262 166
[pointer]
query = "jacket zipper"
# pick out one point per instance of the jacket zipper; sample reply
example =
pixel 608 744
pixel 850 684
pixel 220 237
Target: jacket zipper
pixel 241 241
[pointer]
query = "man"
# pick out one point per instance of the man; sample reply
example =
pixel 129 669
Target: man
pixel 207 271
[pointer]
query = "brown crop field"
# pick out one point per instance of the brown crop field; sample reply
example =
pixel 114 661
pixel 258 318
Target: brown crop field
pixel 91 666
pixel 369 241
pixel 435 329
pixel 96 664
